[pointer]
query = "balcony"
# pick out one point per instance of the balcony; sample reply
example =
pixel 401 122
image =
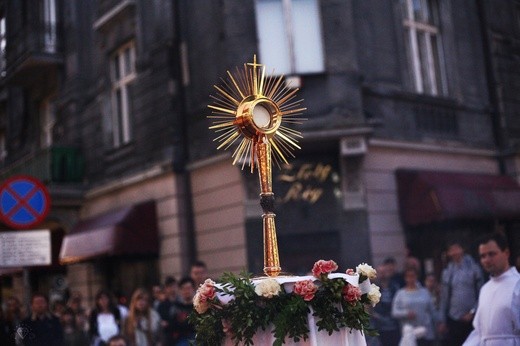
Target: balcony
pixel 33 55
pixel 422 118
pixel 52 165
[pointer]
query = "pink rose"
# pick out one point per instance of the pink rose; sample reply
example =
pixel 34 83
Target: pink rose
pixel 205 292
pixel 351 294
pixel 351 271
pixel 207 289
pixel 323 267
pixel 306 289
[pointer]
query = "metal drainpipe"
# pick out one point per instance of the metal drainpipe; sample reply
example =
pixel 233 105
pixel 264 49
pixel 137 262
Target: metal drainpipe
pixel 496 115
pixel 181 146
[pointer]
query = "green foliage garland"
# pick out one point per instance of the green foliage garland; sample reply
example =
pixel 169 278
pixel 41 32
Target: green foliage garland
pixel 248 311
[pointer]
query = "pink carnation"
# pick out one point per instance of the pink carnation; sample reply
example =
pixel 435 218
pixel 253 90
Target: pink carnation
pixel 351 293
pixel 323 267
pixel 306 289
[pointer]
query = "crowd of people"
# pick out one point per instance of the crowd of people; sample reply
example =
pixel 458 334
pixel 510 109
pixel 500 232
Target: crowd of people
pixel 459 309
pixel 159 318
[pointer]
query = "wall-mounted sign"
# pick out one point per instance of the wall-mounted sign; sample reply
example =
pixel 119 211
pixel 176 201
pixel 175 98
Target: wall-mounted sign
pixel 25 248
pixel 307 181
pixel 24 202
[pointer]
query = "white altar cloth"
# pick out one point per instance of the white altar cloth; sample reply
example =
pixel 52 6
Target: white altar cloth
pixel 316 338
pixel 345 337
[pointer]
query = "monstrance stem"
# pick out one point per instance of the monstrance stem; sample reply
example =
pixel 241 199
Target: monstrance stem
pixel 271 258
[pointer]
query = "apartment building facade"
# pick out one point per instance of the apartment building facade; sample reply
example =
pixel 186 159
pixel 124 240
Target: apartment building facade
pixel 411 135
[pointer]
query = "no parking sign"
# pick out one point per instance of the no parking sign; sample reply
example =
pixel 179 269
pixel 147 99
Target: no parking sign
pixel 24 202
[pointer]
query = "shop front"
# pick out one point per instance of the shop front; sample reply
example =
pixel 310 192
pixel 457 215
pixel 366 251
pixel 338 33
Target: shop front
pixel 115 250
pixel 437 207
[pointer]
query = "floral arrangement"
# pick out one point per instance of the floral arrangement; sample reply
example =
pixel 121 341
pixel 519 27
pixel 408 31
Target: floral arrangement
pixel 238 306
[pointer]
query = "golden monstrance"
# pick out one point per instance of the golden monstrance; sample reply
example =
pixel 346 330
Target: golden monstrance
pixel 252 108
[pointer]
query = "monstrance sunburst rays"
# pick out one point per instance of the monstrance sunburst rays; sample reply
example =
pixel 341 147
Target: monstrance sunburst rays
pixel 251 107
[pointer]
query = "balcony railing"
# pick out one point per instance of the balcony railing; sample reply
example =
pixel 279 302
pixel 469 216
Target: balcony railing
pixel 35 44
pixel 424 118
pixel 51 165
pixel 36 38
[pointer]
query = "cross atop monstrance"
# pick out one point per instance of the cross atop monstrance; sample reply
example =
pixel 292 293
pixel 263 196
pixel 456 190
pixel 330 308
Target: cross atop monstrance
pixel 252 106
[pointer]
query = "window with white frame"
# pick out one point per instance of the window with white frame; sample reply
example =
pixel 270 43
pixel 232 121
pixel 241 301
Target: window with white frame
pixel 3 148
pixel 424 46
pixel 47 121
pixel 3 42
pixel 122 73
pixel 49 17
pixel 289 35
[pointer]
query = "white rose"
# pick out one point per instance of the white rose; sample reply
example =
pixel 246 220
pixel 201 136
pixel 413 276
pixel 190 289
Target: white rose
pixel 268 288
pixel 374 295
pixel 366 270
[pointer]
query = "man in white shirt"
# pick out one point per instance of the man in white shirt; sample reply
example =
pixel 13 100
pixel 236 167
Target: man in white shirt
pixel 496 323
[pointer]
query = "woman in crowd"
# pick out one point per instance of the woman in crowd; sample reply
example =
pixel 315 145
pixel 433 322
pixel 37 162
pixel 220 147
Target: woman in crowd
pixel 142 326
pixel 413 305
pixel 72 335
pixel 58 307
pixel 75 303
pixel 105 319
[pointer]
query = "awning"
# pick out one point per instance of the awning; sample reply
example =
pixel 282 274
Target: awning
pixel 10 271
pixel 432 196
pixel 126 231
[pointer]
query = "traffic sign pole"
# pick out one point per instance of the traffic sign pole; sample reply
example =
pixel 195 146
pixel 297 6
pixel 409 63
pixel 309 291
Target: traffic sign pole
pixel 24 203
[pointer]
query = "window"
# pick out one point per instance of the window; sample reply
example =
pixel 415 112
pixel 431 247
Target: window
pixel 423 46
pixel 289 35
pixel 3 43
pixel 3 149
pixel 122 73
pixel 49 20
pixel 517 15
pixel 47 121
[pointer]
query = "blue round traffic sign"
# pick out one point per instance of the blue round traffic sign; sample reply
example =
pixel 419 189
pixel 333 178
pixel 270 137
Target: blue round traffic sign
pixel 24 202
